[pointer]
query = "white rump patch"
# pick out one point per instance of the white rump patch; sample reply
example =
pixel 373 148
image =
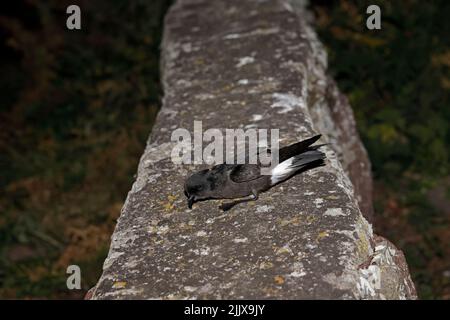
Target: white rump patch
pixel 282 171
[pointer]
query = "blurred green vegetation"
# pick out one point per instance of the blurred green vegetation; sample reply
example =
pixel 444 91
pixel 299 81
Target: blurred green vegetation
pixel 76 110
pixel 398 82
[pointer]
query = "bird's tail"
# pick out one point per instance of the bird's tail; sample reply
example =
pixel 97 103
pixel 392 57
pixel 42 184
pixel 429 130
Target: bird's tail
pixel 297 148
pixel 308 159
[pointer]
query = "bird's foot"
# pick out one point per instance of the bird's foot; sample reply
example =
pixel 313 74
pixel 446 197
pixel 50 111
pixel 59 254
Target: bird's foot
pixel 227 206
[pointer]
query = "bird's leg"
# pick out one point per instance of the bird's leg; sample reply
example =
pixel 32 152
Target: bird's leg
pixel 227 206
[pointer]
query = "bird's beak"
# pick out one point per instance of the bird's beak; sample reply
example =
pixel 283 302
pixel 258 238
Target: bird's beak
pixel 191 201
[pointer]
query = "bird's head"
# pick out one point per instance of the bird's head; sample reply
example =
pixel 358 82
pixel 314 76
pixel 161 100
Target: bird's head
pixel 197 187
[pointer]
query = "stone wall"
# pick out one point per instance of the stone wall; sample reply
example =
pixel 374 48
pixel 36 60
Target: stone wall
pixel 251 64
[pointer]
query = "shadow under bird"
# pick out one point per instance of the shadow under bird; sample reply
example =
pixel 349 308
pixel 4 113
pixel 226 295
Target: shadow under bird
pixel 245 181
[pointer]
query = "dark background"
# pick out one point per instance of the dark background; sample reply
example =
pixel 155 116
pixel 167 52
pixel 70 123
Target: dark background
pixel 77 107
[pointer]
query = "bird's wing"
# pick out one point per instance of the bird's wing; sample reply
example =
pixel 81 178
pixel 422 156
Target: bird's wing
pixel 245 172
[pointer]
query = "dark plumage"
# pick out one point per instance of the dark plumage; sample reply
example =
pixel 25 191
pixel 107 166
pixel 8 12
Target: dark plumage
pixel 231 181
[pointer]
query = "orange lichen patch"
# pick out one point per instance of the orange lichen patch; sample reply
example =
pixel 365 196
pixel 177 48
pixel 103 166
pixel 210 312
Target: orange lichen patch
pixel 295 221
pixel 169 205
pixel 278 279
pixel 265 265
pixel 284 250
pixel 321 235
pixel 270 292
pixel 119 284
pixel 310 219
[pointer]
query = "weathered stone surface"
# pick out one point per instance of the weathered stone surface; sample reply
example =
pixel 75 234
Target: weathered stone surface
pixel 249 64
